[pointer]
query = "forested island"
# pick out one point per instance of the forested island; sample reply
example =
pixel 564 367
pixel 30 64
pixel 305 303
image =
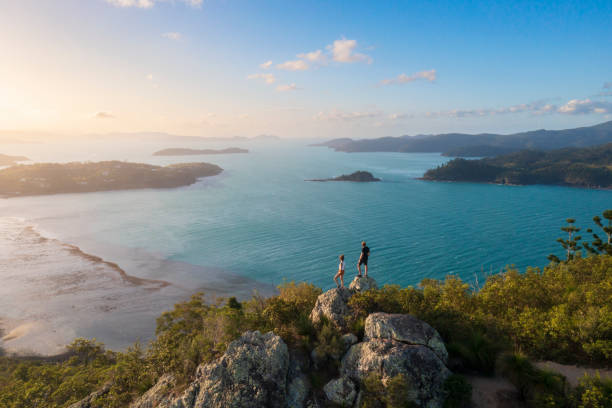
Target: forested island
pixel 6 160
pixel 358 177
pixel 589 167
pixel 77 177
pixel 188 152
pixel 433 345
pixel 484 144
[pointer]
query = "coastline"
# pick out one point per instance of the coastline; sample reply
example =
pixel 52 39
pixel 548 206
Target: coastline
pixel 56 291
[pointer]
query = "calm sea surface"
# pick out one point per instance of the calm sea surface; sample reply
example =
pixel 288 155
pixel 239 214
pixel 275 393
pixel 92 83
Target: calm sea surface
pixel 261 221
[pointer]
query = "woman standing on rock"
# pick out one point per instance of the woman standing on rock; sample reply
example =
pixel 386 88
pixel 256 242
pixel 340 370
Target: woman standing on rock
pixel 340 273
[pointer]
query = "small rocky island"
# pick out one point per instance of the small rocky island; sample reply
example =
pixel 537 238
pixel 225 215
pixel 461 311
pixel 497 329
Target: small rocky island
pixel 358 176
pixel 6 160
pixel 192 152
pixel 77 177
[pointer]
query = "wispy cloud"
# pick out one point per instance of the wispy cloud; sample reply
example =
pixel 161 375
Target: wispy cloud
pixel 149 77
pixel 572 107
pixel 173 35
pixel 316 57
pixel 287 87
pixel 296 65
pixel 146 4
pixel 430 76
pixel 339 115
pixel 266 65
pixel 585 106
pixel 104 115
pixel 267 78
pixel 343 50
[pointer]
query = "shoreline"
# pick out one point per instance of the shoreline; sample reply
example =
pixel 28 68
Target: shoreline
pixel 57 291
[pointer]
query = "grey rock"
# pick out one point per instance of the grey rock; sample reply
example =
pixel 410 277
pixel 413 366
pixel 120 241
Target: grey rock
pixel 332 305
pixel 360 284
pixel 86 402
pixel 252 373
pixel 157 396
pixel 341 391
pixel 407 329
pixel 297 391
pixel 349 339
pixel 424 372
pixel 298 385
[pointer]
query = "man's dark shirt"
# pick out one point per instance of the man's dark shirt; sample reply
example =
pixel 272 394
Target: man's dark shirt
pixel 365 251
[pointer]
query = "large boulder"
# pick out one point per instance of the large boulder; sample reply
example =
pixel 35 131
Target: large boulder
pixel 333 306
pixel 88 400
pixel 298 385
pixel 252 373
pixel 406 329
pixel 157 396
pixel 341 391
pixel 363 283
pixel 422 369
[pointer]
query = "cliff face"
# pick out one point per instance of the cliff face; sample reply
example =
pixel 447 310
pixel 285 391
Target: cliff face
pixel 259 370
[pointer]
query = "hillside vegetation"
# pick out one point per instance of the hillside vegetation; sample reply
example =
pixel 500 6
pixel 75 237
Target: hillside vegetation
pixel 76 177
pixel 585 167
pixel 484 144
pixel 562 313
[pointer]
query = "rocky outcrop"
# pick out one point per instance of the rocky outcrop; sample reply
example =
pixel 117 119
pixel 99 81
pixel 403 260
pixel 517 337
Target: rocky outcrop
pixel 87 401
pixel 252 373
pixel 423 371
pixel 298 385
pixel 157 396
pixel 406 329
pixel 333 306
pixel 363 283
pixel 341 391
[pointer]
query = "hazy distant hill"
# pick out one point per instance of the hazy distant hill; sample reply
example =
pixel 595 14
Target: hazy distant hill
pixel 467 145
pixel 578 167
pixel 189 152
pixel 6 160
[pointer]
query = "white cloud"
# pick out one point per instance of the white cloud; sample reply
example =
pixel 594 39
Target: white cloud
pixel 287 87
pixel 266 65
pixel 150 77
pixel 172 35
pixel 296 65
pixel 430 76
pixel 146 4
pixel 316 57
pixel 572 107
pixel 585 106
pixel 104 115
pixel 339 115
pixel 267 78
pixel 343 50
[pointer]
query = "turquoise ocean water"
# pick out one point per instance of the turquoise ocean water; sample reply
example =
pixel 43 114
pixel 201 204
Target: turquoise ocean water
pixel 262 221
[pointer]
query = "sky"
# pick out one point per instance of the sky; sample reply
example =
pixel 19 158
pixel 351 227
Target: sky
pixel 315 69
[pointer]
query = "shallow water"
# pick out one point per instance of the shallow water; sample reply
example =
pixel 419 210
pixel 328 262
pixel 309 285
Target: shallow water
pixel 259 223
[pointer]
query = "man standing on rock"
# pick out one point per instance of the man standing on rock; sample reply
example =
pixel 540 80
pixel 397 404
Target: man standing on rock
pixel 363 259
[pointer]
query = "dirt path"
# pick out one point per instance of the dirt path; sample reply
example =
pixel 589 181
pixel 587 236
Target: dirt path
pixel 573 373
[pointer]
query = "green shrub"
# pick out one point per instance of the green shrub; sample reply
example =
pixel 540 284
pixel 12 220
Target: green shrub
pixel 592 392
pixel 458 392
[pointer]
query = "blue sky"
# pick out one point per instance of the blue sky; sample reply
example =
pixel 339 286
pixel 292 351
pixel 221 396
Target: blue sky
pixel 334 69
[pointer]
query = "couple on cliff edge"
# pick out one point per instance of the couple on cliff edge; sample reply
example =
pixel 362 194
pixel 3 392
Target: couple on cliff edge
pixel 363 260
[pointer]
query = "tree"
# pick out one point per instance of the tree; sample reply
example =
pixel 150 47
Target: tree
pixel 571 243
pixel 601 246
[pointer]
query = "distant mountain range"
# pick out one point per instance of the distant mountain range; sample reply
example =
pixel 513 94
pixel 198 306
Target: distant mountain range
pixel 484 144
pixel 45 137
